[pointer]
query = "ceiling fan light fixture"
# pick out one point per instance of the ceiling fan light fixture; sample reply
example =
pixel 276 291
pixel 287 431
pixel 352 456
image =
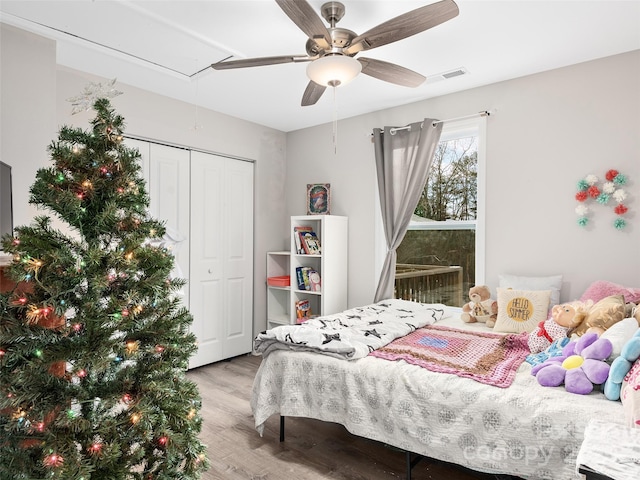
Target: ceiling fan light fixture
pixel 333 70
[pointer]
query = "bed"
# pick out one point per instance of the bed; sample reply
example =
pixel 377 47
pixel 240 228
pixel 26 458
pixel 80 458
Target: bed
pixel 524 430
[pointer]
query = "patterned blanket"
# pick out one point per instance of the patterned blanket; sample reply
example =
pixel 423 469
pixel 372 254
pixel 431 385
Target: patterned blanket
pixel 353 333
pixel 489 358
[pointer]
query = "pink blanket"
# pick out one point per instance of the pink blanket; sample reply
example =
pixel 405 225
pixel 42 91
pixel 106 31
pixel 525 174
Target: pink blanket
pixel 488 358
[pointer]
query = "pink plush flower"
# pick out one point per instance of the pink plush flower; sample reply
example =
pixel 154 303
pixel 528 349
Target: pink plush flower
pixel 580 366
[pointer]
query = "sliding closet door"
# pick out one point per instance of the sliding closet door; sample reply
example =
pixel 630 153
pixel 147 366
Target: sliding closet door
pixel 142 147
pixel 238 257
pixel 221 266
pixel 170 202
pixel 165 171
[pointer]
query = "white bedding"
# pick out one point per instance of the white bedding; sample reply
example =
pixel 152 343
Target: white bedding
pixel 621 462
pixel 354 333
pixel 525 430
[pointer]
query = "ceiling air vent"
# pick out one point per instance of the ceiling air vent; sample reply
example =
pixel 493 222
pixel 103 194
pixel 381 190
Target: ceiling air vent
pixel 447 75
pixel 454 73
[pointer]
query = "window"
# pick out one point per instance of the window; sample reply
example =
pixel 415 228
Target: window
pixel 442 254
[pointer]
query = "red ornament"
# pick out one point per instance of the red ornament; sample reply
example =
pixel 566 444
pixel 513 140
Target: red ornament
pixel 593 191
pixel 162 441
pixel 611 174
pixel 54 460
pixel 95 448
pixel 581 196
pixel 620 209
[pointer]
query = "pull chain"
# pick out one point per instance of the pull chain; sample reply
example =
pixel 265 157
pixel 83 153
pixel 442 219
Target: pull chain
pixel 197 126
pixel 335 123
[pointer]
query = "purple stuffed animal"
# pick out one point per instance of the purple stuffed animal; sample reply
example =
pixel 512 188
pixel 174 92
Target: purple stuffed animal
pixel 580 366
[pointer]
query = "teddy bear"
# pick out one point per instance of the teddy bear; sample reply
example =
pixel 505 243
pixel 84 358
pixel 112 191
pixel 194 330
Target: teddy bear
pixel 563 318
pixel 482 308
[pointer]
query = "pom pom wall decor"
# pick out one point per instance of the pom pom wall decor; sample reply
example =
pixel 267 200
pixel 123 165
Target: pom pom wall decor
pixel 610 189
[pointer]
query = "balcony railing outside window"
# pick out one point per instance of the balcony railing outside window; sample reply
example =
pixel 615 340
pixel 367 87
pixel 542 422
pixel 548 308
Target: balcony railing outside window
pixel 436 266
pixel 429 284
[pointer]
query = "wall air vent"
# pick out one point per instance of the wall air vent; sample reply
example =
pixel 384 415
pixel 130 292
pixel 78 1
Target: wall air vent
pixel 447 75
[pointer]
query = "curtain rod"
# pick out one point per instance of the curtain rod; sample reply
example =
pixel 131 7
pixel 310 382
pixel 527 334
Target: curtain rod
pixel 484 113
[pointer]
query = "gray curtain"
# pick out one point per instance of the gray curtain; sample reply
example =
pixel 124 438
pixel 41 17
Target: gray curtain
pixel 403 160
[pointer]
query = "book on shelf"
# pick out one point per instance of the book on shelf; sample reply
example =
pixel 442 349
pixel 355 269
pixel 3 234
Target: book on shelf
pixel 297 231
pixel 299 278
pixel 303 311
pixel 310 243
pixel 314 281
pixel 304 278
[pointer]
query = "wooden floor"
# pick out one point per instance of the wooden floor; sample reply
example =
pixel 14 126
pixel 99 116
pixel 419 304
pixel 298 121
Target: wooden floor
pixel 312 450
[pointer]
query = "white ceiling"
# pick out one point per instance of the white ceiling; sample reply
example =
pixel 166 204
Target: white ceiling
pixel 166 47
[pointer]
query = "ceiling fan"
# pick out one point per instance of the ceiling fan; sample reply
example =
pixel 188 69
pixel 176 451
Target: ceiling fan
pixel 338 46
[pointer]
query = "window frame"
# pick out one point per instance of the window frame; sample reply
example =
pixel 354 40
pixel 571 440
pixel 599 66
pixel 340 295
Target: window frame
pixel 451 130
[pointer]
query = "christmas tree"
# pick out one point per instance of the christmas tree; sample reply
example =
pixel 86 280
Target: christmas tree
pixel 94 342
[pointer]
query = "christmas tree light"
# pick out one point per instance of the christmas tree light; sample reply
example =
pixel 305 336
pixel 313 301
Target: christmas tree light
pixel 94 343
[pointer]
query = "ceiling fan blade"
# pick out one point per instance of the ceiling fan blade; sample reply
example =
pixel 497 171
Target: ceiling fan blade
pixel 390 72
pixel 307 20
pixel 312 94
pixel 404 26
pixel 258 62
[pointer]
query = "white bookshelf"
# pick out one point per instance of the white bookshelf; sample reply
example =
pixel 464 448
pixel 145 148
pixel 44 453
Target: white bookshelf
pixel 331 264
pixel 278 297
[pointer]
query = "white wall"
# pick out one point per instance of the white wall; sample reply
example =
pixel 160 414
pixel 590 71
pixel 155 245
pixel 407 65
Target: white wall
pixel 549 130
pixel 34 105
pixel 27 113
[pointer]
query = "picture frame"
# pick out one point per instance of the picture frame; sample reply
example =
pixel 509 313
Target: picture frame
pixel 318 199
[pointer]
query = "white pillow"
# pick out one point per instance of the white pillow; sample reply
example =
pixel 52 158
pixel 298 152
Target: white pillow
pixel 518 282
pixel 619 333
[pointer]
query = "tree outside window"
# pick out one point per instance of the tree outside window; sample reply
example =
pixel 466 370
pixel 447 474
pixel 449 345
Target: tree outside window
pixel 436 261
